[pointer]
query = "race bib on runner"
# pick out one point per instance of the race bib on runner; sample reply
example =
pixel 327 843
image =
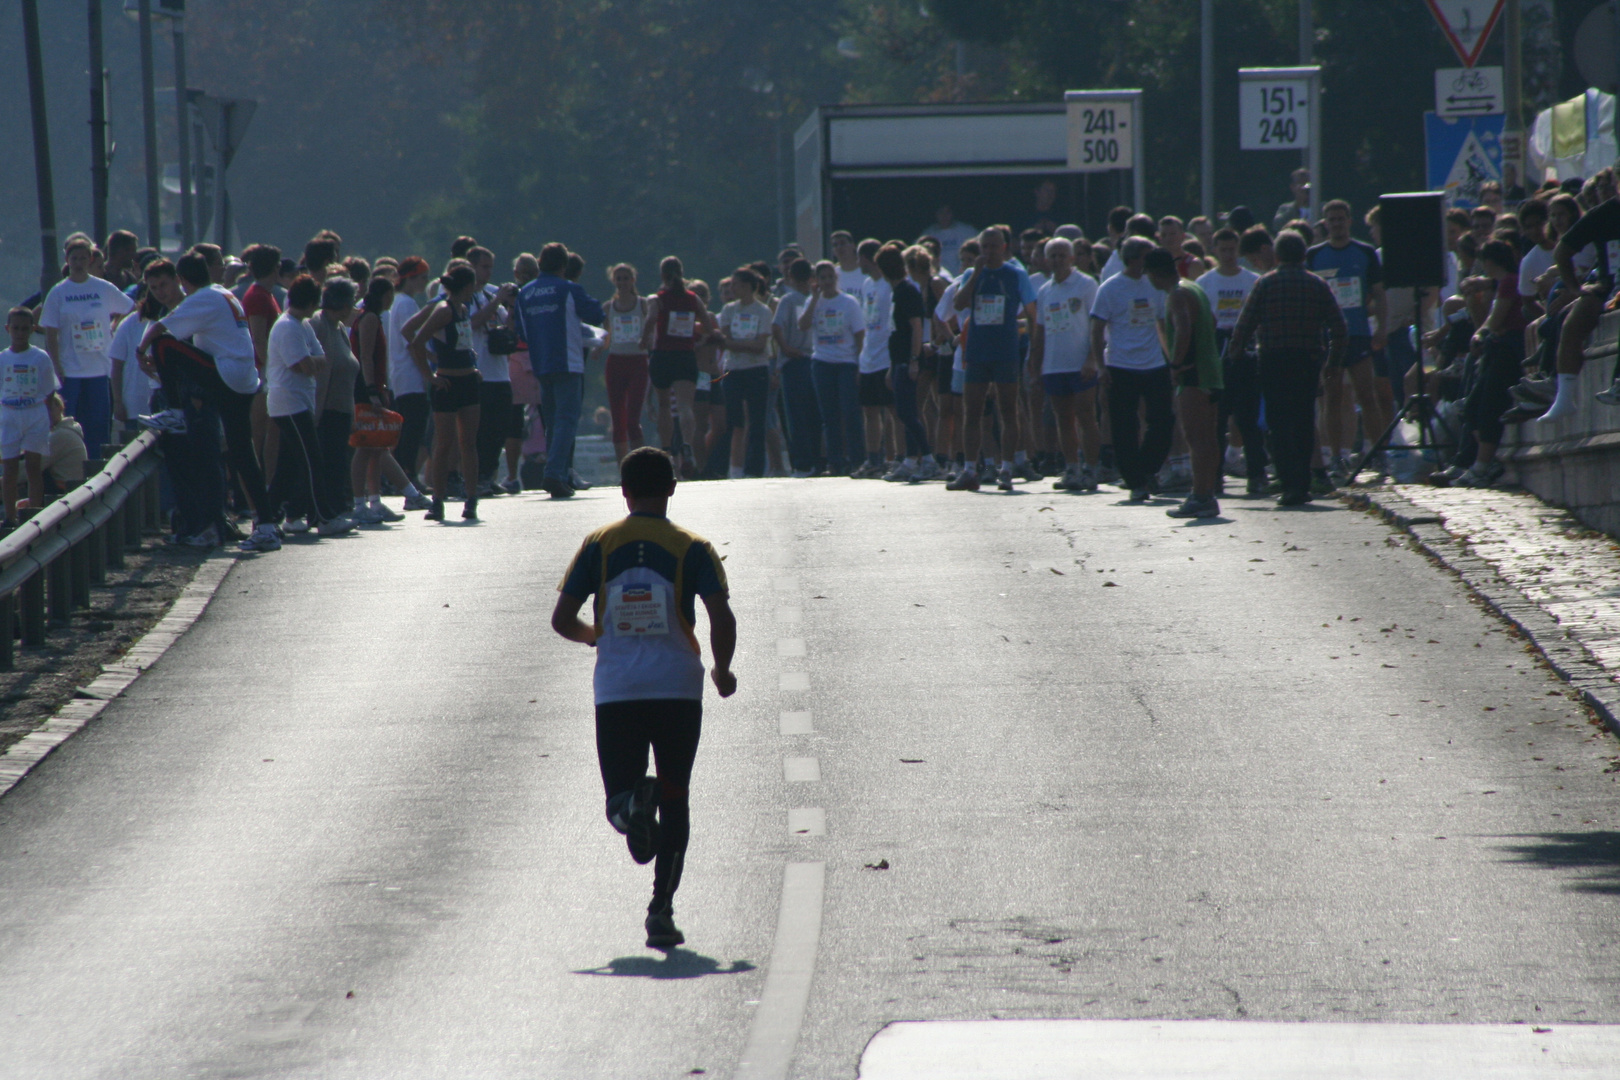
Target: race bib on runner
pixel 463 333
pixel 989 310
pixel 89 337
pixel 1142 313
pixel 745 327
pixel 829 327
pixel 626 326
pixel 682 324
pixel 637 611
pixel 1347 291
pixel 1227 310
pixel 1058 319
pixel 19 386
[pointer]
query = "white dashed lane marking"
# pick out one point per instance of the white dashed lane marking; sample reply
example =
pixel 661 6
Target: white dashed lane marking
pixel 801 770
pixel 796 723
pixel 795 681
pixel 790 646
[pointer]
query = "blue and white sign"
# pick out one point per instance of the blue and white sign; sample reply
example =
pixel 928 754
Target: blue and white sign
pixel 1463 152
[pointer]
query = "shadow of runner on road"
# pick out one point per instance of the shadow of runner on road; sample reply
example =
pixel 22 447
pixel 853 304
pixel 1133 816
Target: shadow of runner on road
pixel 1597 852
pixel 675 964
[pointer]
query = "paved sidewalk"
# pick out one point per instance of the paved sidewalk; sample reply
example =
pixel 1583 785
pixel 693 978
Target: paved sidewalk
pixel 1542 569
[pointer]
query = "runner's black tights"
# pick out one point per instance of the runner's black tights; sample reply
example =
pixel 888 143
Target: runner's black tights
pixel 624 732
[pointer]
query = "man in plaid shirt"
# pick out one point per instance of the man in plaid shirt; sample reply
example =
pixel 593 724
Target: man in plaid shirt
pixel 1287 314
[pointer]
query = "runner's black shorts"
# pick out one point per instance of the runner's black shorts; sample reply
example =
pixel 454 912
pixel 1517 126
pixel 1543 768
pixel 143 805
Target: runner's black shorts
pixel 666 367
pixel 874 389
pixel 461 393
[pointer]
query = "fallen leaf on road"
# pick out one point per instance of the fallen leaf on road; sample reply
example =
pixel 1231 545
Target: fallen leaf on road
pixel 350 994
pixel 1540 1031
pixel 1056 571
pixel 881 864
pixel 1257 560
pixel 818 598
pixel 1043 509
pixel 912 760
pixel 1109 585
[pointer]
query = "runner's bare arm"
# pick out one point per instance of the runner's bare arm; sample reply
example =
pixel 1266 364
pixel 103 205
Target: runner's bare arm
pixel 566 621
pixel 722 641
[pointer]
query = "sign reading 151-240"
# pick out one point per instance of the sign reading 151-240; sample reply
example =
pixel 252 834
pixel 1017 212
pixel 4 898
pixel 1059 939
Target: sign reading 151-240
pixel 1100 135
pixel 1275 115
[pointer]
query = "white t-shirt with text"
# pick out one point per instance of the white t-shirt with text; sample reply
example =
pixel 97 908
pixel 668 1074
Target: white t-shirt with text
pixel 214 321
pixel 1227 293
pixel 82 314
pixel 1063 312
pixel 833 328
pixel 291 340
pixel 1132 308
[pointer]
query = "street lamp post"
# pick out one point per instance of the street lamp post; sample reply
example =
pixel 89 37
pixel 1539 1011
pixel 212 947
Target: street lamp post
pixel 182 106
pixel 42 147
pixel 154 208
pixel 98 127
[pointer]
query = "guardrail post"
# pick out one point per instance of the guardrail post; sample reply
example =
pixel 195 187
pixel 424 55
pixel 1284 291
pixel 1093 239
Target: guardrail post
pixel 152 496
pixel 33 611
pixel 8 632
pixel 115 540
pixel 78 560
pixel 95 551
pixel 60 586
pixel 132 525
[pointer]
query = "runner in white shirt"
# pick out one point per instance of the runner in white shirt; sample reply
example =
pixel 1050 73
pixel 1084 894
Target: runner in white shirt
pixel 216 364
pixel 78 317
pixel 1129 308
pixel 837 331
pixel 405 378
pixel 851 278
pixel 27 378
pixel 1060 355
pixel 877 399
pixel 1228 286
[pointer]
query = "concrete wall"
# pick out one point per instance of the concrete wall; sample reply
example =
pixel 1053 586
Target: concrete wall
pixel 1575 463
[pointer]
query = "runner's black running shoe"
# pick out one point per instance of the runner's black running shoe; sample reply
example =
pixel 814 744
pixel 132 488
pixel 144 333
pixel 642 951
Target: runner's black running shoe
pixel 641 820
pixel 662 933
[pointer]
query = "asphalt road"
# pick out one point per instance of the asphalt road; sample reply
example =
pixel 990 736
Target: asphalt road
pixel 1274 767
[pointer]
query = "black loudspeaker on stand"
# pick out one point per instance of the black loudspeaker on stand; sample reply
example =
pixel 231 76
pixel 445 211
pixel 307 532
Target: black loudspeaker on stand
pixel 1414 256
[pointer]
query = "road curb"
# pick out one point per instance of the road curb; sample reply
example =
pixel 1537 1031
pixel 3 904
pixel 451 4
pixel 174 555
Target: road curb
pixel 22 756
pixel 1563 650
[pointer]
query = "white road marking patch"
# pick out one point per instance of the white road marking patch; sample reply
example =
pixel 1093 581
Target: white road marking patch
pixel 1237 1050
pixel 790 646
pixel 801 770
pixel 796 723
pixel 795 680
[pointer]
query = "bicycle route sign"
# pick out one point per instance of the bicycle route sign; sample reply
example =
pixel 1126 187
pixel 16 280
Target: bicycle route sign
pixel 1468 91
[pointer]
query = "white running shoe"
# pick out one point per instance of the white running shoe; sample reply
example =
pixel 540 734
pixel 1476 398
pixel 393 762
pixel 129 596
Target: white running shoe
pixel 263 538
pixel 169 422
pixel 386 512
pixel 1004 479
pixel 900 473
pixel 295 525
pixel 368 515
pixel 336 526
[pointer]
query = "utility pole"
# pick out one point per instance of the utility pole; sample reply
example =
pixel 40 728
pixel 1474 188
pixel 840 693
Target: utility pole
pixel 1513 91
pixel 182 108
pixel 154 208
pixel 98 128
pixel 1207 77
pixel 1307 50
pixel 49 266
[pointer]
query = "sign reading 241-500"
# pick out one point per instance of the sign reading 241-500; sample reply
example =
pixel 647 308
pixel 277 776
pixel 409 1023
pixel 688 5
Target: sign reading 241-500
pixel 1101 135
pixel 1275 114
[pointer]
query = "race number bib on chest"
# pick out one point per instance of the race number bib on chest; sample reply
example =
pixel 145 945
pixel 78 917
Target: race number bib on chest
pixel 829 327
pixel 627 326
pixel 89 336
pixel 463 333
pixel 637 611
pixel 19 386
pixel 989 310
pixel 1347 291
pixel 744 327
pixel 1227 310
pixel 1059 320
pixel 1142 313
pixel 682 324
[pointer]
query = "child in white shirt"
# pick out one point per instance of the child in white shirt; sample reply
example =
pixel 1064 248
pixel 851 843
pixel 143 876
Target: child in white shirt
pixel 27 378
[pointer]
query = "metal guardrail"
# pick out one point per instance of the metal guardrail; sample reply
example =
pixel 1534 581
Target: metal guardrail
pixel 49 562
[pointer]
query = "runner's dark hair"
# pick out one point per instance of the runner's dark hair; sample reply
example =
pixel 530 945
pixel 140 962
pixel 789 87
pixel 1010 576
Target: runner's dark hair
pixel 646 473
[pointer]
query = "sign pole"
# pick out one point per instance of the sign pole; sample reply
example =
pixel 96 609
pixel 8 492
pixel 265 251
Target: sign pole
pixel 1513 95
pixel 1315 151
pixel 1139 187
